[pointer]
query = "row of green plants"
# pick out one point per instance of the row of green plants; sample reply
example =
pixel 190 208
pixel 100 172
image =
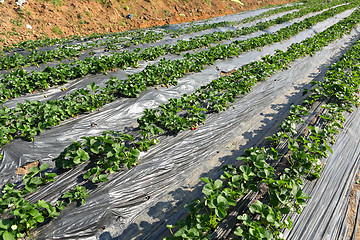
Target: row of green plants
pixel 34 44
pixel 190 110
pixel 20 81
pixel 166 72
pixel 293 6
pixel 19 215
pixel 189 116
pixel 32 117
pixel 102 39
pixel 266 217
pixel 206 26
pixel 70 51
pixel 107 153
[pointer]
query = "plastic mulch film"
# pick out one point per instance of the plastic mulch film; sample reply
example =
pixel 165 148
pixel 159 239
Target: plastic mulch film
pixel 100 50
pixel 73 85
pixel 230 17
pixel 122 114
pixel 325 216
pixel 139 203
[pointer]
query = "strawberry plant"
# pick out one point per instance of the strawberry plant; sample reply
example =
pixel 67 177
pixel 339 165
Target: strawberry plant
pixel 78 194
pixel 110 151
pixel 139 35
pixel 27 120
pixel 36 177
pixel 19 82
pixel 265 220
pixel 190 110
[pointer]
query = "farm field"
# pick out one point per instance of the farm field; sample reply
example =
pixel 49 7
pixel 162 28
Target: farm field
pixel 241 126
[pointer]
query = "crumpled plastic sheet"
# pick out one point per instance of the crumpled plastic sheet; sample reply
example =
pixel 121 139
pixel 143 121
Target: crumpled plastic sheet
pixel 141 201
pixel 167 39
pixel 257 112
pixel 325 216
pixel 230 17
pixel 123 112
pixel 100 79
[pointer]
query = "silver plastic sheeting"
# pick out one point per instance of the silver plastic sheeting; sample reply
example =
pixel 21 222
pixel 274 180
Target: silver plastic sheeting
pixel 230 17
pixel 100 79
pixel 122 114
pixel 138 203
pixel 166 40
pixel 325 216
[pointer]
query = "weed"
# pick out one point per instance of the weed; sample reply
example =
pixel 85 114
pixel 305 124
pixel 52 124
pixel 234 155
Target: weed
pixel 57 3
pixel 17 22
pixel 56 30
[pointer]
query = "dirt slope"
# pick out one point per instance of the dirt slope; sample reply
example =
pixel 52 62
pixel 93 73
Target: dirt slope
pixel 57 18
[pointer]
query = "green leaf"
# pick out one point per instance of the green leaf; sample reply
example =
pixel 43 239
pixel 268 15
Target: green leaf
pixel 118 147
pixel 37 180
pixel 239 231
pixel 180 232
pixel 34 170
pixel 77 160
pixel 218 184
pixel 194 232
pixel 109 154
pixel 256 207
pixel 5 224
pixel 284 210
pixel 103 178
pixel 95 150
pixel 8 236
pixel 268 235
pixel 43 167
pixel 40 219
pixel 208 189
pixel 244 217
pixel 35 213
pixel 31 187
pixel 50 175
pixel 221 200
pixel 87 175
pixel 220 212
pixel 206 179
pixel 170 226
pixel 42 204
pixel 135 152
pixel 95 179
pixel 82 154
pixel 92 141
pixel 271 218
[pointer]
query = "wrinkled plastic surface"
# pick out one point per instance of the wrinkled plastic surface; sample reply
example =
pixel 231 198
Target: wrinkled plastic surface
pixel 122 114
pixel 118 115
pixel 100 79
pixel 138 203
pixel 325 216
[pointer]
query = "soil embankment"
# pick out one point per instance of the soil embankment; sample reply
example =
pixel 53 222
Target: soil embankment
pixel 60 18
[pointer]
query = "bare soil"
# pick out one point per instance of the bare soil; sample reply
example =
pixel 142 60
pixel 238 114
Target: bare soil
pixel 60 18
pixel 353 209
pixel 25 169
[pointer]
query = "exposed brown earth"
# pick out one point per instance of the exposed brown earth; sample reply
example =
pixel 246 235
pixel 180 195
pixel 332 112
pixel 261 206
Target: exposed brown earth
pixel 352 212
pixel 25 169
pixel 60 18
